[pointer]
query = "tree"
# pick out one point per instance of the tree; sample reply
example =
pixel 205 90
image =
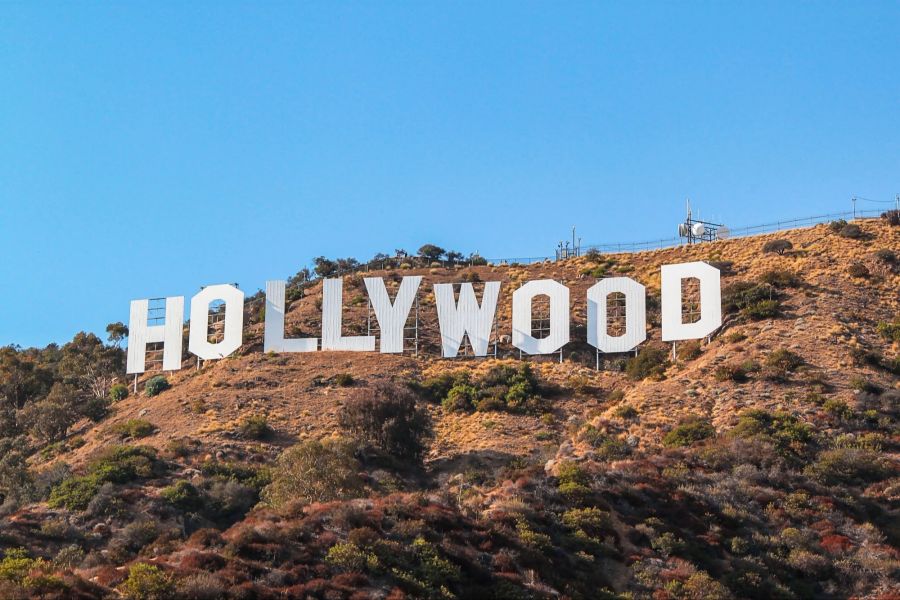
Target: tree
pixel 386 417
pixel 454 257
pixel 431 252
pixel 49 419
pixel 777 246
pixel 90 364
pixel 324 267
pixel 117 331
pixel 22 378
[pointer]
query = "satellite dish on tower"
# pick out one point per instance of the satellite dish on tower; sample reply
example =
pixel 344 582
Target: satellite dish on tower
pixel 723 232
pixel 683 229
pixel 698 229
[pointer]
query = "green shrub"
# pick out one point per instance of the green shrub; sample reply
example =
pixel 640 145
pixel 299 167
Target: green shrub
pixel 765 309
pixel 156 385
pixel 783 361
pixel 625 411
pixel 314 471
pixel 255 427
pixel 691 430
pixel 118 464
pixel 838 409
pixel 890 331
pixel 147 582
pixel 345 556
pixel 861 384
pixel 781 278
pixel 344 380
pixel 848 466
pixel 606 447
pixel 650 362
pixel 782 429
pixel 753 300
pixel 591 520
pixel 667 544
pixel 503 388
pixel 118 392
pixel 461 397
pixel 183 495
pixel 735 373
pixel 134 428
pixel 837 226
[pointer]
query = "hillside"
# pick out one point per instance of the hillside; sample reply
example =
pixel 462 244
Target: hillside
pixel 761 464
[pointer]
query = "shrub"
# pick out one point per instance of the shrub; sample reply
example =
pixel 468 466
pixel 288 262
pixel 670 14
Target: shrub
pixel 650 362
pixel 134 428
pixel 346 556
pixel 783 361
pixel 754 300
pixel 118 392
pixel 735 337
pixel 848 466
pixel 156 385
pixel 386 417
pixel 838 409
pixel 766 309
pixel 781 278
pixel 589 520
pixel 690 350
pixel 735 373
pixel 858 270
pixel 344 380
pixel 201 586
pixel 782 429
pixel 606 447
pixel 837 226
pixel 314 471
pixel 689 431
pixel 255 427
pixel 183 495
pixel 503 388
pixel 851 231
pixel 147 582
pixel 118 464
pixel 461 397
pixel 625 411
pixel 861 384
pixel 887 256
pixel 667 544
pixel 890 331
pixel 892 217
pixel 777 246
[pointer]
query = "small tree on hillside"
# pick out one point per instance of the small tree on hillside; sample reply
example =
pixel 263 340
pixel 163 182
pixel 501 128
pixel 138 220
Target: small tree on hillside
pixel 386 417
pixel 431 252
pixel 777 246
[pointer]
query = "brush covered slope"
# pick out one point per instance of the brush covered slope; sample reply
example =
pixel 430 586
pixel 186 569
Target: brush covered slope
pixel 760 464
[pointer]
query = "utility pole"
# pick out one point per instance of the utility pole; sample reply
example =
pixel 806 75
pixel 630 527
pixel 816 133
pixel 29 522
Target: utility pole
pixel 854 206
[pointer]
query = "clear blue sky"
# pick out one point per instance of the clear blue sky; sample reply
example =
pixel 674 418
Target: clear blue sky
pixel 150 148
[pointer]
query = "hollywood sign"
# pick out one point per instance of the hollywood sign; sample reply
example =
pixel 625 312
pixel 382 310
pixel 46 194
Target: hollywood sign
pixel 458 317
